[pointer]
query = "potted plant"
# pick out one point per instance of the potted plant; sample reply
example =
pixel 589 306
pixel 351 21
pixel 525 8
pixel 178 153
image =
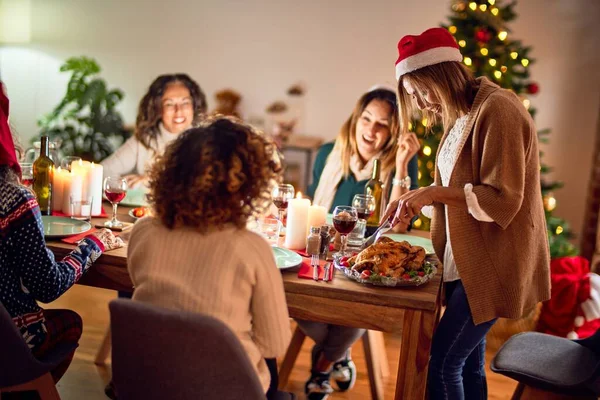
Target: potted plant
pixel 86 121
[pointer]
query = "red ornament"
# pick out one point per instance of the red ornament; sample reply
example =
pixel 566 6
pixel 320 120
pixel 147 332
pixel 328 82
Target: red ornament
pixel 533 88
pixel 482 35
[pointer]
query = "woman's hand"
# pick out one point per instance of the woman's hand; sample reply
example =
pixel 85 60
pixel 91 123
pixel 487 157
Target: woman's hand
pixel 108 239
pixel 409 205
pixel 408 146
pixel 135 180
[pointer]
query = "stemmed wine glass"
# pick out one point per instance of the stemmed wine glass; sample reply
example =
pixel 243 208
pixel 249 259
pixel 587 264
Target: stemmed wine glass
pixel 281 195
pixel 364 204
pixel 115 190
pixel 344 221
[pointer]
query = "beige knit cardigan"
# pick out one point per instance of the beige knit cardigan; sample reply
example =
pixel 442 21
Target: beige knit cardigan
pixel 504 265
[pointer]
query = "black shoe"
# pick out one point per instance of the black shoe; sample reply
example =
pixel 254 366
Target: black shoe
pixel 318 386
pixel 109 391
pixel 344 374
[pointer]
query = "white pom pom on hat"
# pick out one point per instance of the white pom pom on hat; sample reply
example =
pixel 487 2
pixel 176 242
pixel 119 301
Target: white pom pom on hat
pixel 431 47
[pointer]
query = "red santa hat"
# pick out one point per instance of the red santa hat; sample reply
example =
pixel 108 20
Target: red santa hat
pixel 573 310
pixel 8 156
pixel 431 47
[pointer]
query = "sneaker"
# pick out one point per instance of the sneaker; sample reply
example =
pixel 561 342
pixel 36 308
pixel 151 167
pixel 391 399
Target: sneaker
pixel 344 374
pixel 318 387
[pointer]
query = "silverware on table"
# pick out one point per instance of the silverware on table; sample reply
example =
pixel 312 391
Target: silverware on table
pixel 314 261
pixel 386 226
pixel 326 272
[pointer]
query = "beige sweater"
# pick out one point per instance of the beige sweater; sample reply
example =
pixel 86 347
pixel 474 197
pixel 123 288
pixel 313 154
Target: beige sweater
pixel 504 265
pixel 229 274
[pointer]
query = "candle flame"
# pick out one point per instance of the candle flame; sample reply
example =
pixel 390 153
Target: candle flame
pixel 299 195
pixel 80 162
pixel 58 169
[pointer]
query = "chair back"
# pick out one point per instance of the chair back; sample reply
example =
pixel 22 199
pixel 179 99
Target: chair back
pixel 17 363
pixel 165 354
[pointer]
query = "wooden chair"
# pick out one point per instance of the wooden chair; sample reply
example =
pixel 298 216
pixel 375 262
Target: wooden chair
pixel 375 356
pixel 19 370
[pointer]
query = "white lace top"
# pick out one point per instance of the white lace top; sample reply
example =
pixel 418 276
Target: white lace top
pixel 445 163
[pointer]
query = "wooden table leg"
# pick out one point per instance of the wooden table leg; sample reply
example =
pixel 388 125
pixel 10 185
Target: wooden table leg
pixel 290 357
pixel 417 333
pixel 373 359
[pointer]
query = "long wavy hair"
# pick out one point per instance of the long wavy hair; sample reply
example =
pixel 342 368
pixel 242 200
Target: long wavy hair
pixel 150 108
pixel 451 82
pixel 219 173
pixel 346 140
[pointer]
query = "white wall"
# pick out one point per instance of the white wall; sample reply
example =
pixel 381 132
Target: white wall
pixel 338 48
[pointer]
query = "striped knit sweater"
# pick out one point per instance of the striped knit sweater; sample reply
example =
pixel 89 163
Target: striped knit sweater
pixel 228 274
pixel 28 270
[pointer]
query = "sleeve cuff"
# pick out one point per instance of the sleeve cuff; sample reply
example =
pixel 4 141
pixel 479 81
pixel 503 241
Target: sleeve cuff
pixel 96 241
pixel 473 205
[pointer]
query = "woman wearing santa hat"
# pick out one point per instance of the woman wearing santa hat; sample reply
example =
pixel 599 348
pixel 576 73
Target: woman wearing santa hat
pixel 29 272
pixel 488 224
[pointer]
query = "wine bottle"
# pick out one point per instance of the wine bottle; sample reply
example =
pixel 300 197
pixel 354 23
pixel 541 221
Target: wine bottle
pixel 43 169
pixel 374 187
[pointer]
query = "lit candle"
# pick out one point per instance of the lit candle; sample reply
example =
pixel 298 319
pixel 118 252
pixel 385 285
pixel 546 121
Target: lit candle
pixel 317 216
pixel 58 180
pixel 91 175
pixel 72 186
pixel 297 219
pixel 94 185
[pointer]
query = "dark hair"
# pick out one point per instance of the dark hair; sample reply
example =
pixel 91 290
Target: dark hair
pixel 219 173
pixel 150 108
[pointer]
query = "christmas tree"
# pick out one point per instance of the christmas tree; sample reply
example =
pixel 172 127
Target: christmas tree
pixel 480 29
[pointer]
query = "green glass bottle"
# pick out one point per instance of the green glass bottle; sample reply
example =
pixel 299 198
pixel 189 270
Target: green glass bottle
pixel 374 187
pixel 43 169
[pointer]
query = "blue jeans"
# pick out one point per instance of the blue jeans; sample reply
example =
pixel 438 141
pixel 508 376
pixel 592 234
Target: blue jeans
pixel 457 363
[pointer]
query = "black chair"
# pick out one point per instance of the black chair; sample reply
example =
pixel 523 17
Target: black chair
pixel 552 364
pixel 19 370
pixel 165 354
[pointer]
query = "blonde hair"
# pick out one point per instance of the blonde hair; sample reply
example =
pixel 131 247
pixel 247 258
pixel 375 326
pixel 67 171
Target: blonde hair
pixel 346 140
pixel 451 82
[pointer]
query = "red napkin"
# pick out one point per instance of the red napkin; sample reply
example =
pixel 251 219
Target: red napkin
pixel 76 238
pixel 103 214
pixel 303 252
pixel 306 271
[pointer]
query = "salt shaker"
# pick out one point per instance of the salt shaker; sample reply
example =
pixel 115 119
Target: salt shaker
pixel 313 246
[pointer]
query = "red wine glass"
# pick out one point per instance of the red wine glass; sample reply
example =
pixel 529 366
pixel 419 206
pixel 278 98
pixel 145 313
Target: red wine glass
pixel 344 221
pixel 115 190
pixel 281 195
pixel 364 204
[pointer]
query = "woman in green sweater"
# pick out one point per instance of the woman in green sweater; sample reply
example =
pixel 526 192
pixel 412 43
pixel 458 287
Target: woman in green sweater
pixel 341 171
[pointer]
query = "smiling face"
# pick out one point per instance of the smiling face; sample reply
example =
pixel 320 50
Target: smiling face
pixel 373 129
pixel 423 98
pixel 177 108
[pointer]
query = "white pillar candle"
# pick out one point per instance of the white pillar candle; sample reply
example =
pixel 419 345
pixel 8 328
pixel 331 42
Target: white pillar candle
pixel 82 168
pixel 297 219
pixel 94 187
pixel 72 186
pixel 317 216
pixel 58 180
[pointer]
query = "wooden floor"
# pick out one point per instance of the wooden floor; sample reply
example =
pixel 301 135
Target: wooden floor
pixel 84 380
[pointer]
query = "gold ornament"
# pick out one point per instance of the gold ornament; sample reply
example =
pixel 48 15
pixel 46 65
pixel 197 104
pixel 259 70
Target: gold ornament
pixel 549 202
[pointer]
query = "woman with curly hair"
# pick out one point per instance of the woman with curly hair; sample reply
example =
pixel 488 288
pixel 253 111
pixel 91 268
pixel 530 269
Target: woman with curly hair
pixel 172 104
pixel 195 254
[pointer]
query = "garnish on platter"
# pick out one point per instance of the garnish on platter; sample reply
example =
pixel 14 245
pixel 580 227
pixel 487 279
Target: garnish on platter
pixel 389 263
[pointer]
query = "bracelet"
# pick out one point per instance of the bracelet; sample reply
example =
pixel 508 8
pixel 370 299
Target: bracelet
pixel 404 182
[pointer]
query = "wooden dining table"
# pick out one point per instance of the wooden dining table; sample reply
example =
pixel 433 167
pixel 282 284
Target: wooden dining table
pixel 412 312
